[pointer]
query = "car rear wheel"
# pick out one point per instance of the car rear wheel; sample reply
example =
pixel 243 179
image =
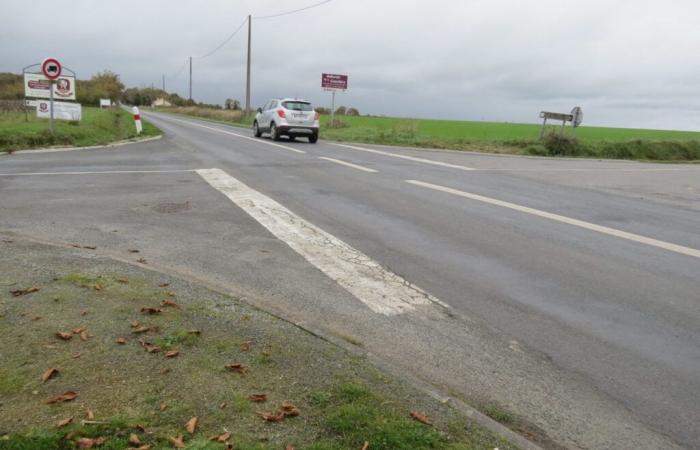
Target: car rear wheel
pixel 274 132
pixel 313 138
pixel 256 129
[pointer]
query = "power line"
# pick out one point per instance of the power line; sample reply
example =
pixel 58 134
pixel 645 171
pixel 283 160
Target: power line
pixel 293 11
pixel 226 41
pixel 180 70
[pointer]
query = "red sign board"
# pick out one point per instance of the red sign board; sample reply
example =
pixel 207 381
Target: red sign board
pixel 334 82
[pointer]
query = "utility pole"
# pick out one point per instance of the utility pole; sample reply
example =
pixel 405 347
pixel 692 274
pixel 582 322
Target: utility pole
pixel 190 78
pixel 163 82
pixel 247 83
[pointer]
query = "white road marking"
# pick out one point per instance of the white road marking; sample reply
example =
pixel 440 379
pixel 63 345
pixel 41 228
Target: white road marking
pixel 563 219
pixel 384 292
pixel 28 174
pixel 354 166
pixel 260 141
pixel 410 158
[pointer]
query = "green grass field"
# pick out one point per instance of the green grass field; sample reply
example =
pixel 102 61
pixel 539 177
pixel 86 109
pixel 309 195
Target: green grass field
pixel 97 127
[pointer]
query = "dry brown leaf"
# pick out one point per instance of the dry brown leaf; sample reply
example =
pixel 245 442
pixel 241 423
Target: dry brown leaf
pixel 65 397
pixel 64 422
pixel 257 398
pixel 143 261
pixel 150 348
pixel 133 250
pixel 170 303
pixel 91 442
pixel 245 346
pixel 222 406
pixel 195 332
pixel 171 353
pixel 46 376
pixel 420 417
pixel 143 447
pixel 77 355
pixel 35 318
pixel 64 336
pixel 177 442
pixel 151 310
pixel 20 292
pixel 134 440
pixel 97 287
pixel 78 330
pixel 164 370
pixel 144 329
pixel 84 313
pixel 191 425
pixel 289 410
pixel 170 294
pixel 84 336
pixel 90 247
pixel 221 437
pixel 135 324
pixel 289 447
pixel 271 417
pixel 163 406
pixel 121 341
pixel 366 446
pixel 89 414
pixel 122 280
pixel 164 285
pixel 237 367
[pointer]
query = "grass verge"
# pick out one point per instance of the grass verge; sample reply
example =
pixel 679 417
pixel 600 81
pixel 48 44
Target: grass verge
pixel 97 127
pixel 113 355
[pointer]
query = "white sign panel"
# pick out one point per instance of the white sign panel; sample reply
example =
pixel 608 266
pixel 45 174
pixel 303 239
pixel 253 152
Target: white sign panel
pixel 37 85
pixel 105 103
pixel 61 110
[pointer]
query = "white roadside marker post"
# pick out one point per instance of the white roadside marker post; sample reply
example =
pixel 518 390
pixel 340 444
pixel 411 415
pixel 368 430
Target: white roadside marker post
pixel 137 120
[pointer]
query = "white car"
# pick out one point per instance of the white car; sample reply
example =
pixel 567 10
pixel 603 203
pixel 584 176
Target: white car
pixel 287 117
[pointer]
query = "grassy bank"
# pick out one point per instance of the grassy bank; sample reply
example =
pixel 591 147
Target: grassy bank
pixel 219 115
pixel 97 127
pixel 507 138
pixel 249 379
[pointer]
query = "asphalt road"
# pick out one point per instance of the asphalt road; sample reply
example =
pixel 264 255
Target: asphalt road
pixel 572 286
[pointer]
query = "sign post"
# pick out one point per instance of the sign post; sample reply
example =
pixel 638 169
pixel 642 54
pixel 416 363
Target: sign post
pixel 51 69
pixel 334 83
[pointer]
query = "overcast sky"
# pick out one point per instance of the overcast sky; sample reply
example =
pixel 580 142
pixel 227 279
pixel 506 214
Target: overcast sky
pixel 632 63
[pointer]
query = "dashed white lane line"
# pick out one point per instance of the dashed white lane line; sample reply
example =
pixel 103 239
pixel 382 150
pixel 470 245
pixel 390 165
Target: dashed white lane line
pixel 384 292
pixel 258 140
pixel 347 164
pixel 410 158
pixel 29 174
pixel 563 219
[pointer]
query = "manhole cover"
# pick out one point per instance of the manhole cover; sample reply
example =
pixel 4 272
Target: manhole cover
pixel 168 208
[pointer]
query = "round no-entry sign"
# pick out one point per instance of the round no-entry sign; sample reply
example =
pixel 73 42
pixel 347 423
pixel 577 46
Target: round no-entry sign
pixel 51 68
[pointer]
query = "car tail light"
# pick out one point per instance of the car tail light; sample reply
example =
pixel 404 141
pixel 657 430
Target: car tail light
pixel 317 116
pixel 281 113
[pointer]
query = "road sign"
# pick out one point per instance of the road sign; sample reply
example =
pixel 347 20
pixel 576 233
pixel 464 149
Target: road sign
pixel 36 85
pixel 51 68
pixel 61 110
pixel 334 82
pixel 577 112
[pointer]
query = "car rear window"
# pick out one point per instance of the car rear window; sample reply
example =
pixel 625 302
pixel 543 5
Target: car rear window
pixel 297 106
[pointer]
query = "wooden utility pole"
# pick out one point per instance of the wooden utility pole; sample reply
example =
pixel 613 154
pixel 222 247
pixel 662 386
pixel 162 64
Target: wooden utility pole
pixel 247 83
pixel 163 82
pixel 190 78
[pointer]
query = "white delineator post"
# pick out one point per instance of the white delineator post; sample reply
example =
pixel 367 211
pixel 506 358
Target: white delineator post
pixel 137 120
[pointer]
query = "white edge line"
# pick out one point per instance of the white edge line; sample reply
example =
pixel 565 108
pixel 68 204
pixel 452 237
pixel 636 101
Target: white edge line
pixel 194 124
pixel 410 158
pixel 563 219
pixel 27 174
pixel 344 163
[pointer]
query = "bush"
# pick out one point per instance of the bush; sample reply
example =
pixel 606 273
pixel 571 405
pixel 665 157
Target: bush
pixel 561 145
pixel 352 112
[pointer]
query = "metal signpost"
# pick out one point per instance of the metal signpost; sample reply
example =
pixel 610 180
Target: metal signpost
pixel 575 117
pixel 51 69
pixel 47 82
pixel 334 83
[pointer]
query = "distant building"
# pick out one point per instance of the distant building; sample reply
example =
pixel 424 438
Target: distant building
pixel 160 102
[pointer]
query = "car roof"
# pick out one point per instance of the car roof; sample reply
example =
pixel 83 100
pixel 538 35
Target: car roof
pixel 294 100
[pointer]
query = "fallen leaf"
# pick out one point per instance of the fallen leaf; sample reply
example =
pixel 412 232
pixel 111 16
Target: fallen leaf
pixel 91 442
pixel 164 370
pixel 46 376
pixel 290 410
pixel 133 250
pixel 163 406
pixel 89 415
pixel 221 437
pixel 245 346
pixel 134 439
pixel 77 355
pixel 366 446
pixel 151 311
pixel 76 245
pixel 191 425
pixel 420 417
pixel 171 354
pixel 169 303
pixel 64 336
pixel 150 348
pixel 143 261
pixel 271 417
pixel 170 294
pixel 257 398
pixel 83 313
pixel 237 367
pixel 143 329
pixel 177 442
pixel 164 285
pixel 90 247
pixel 195 332
pixel 65 397
pixel 20 292
pixel 135 324
pixel 97 287
pixel 64 422
pixel 143 447
pixel 289 447
pixel 35 318
pixel 84 336
pixel 122 280
pixel 78 330
pixel 121 341
pixel 222 406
